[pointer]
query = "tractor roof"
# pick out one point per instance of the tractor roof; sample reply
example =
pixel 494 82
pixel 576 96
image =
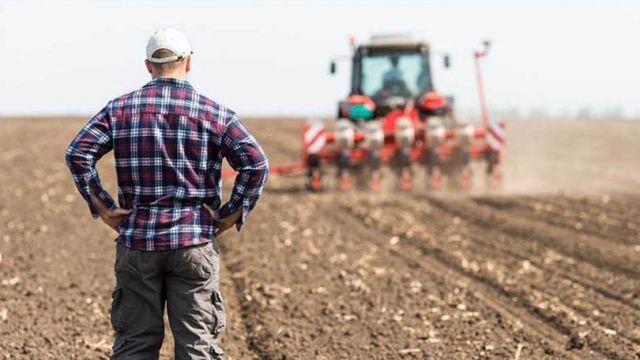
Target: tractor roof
pixel 394 41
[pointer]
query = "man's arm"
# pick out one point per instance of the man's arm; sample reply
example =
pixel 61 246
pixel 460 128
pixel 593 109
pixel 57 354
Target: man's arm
pixel 111 217
pixel 91 143
pixel 247 158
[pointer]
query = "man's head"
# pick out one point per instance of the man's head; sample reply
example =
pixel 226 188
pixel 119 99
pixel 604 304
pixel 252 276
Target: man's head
pixel 394 61
pixel 168 54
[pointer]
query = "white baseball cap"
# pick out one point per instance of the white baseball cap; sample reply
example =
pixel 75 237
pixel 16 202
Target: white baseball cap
pixel 170 39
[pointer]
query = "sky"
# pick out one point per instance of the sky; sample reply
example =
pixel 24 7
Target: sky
pixel 272 57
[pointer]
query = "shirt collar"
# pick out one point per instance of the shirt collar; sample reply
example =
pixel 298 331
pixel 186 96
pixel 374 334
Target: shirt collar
pixel 170 82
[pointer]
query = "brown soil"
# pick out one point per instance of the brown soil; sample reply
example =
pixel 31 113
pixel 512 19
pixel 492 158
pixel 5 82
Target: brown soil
pixel 547 268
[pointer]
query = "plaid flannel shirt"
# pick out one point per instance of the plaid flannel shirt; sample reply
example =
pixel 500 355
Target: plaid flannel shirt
pixel 169 143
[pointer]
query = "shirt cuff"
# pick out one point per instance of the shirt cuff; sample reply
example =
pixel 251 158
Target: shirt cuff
pixel 102 195
pixel 242 204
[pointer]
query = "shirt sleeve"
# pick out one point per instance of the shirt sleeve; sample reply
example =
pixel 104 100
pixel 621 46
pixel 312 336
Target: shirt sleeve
pixel 92 142
pixel 247 158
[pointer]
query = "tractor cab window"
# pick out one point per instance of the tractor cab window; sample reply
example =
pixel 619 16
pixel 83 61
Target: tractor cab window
pixel 394 74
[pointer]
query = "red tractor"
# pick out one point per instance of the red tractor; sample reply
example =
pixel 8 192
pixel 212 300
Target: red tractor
pixel 394 116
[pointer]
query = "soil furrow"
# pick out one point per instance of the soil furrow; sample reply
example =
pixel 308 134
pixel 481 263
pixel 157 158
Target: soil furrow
pixel 611 285
pixel 238 331
pixel 597 224
pixel 617 258
pixel 437 269
pixel 486 290
pixel 623 211
pixel 530 297
pixel 598 307
pixel 251 323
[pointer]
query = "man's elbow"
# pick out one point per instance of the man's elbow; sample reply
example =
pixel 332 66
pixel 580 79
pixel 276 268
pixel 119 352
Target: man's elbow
pixel 265 168
pixel 71 156
pixel 68 156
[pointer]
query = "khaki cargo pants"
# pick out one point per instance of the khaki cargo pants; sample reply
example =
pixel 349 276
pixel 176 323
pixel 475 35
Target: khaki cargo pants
pixel 187 280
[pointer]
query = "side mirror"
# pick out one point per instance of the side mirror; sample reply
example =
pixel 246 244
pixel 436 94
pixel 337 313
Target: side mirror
pixel 447 61
pixel 332 68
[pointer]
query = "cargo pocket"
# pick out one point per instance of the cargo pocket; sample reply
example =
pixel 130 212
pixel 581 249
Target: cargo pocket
pixel 216 352
pixel 219 316
pixel 118 346
pixel 117 320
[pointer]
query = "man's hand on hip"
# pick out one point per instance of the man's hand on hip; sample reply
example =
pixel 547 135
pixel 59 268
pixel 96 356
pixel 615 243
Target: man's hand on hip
pixel 112 218
pixel 226 223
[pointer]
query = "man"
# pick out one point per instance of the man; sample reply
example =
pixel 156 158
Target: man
pixel 169 143
pixel 394 74
pixel 393 82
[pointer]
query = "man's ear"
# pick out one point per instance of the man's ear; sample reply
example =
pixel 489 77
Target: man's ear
pixel 188 66
pixel 149 66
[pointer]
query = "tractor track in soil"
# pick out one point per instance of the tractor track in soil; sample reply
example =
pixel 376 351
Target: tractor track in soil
pixel 450 258
pixel 620 209
pixel 609 282
pixel 448 255
pixel 625 207
pixel 245 309
pixel 600 253
pixel 618 286
pixel 619 297
pixel 620 289
pixel 236 341
pixel 569 214
pixel 439 264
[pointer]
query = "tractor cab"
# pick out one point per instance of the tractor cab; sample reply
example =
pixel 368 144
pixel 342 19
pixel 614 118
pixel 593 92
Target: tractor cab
pixel 391 71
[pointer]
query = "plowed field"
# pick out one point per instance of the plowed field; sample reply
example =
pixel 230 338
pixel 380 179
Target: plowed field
pixel 547 268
